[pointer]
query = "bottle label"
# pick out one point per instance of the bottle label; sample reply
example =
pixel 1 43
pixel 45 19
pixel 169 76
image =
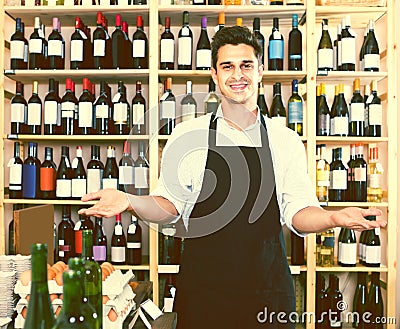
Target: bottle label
pixel 85 114
pixel 184 50
pixel 47 179
pixel 120 112
pixel 138 48
pixel 280 120
pixel 167 50
pixel 17 49
pixel 78 239
pixel 167 110
pixel 78 187
pixel 50 112
pixel 338 180
pixel 15 175
pixel 99 253
pixel 325 58
pixel 93 180
pixel 138 114
pixel 348 253
pixel 295 112
pixel 110 183
pixel 348 51
pixel 29 179
pixel 134 245
pixel 357 112
pixel 63 188
pixel 323 177
pixel 102 111
pixel 35 46
pixel 375 114
pixel 374 180
pixel 55 48
pixel 188 112
pixel 203 58
pixel 360 174
pixel 373 254
pixel 324 125
pixel 34 114
pixel 340 126
pixel 26 53
pixel 67 109
pixel 99 48
pixel 141 177
pixel 118 254
pixel 126 175
pixel 275 49
pixel 76 50
pixel 132 228
pixel 18 112
pixel 372 61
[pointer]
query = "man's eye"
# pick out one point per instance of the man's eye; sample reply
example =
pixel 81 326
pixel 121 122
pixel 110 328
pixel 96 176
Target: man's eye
pixel 227 67
pixel 247 66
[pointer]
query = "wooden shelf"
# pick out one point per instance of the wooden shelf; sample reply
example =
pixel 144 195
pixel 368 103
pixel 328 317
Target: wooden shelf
pixel 355 204
pixel 54 202
pixel 349 76
pixel 357 268
pixel 349 140
pixel 133 267
pixel 64 138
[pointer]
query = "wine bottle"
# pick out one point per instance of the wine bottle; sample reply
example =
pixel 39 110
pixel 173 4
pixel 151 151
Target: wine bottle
pixel 348 46
pixel 19 109
pixel 31 174
pixel 138 111
pixel 126 170
pixel 140 47
pixel 297 249
pixel 56 47
pixel 275 48
pixel 167 109
pixel 128 45
pixel 360 300
pixel 118 243
pixel 87 48
pixel 327 248
pixel 99 44
pixel 261 103
pixel 278 111
pixel 323 114
pixel 335 298
pixel 276 2
pixel 347 248
pixel 295 52
pixel 110 173
pixel 325 49
pixel 259 36
pixel 338 177
pixel 102 105
pixel 212 101
pixel 34 114
pixel 86 110
pixel 77 60
pixel 118 45
pixel 48 170
pixel 374 176
pixel 372 246
pixel 167 47
pixel 100 241
pixel 188 103
pixel 68 104
pixel 203 49
pixel 40 313
pixel 11 230
pixel 323 172
pixel 334 103
pixel 337 49
pixel 66 236
pixel 321 304
pixel 84 223
pixel 36 59
pixel 221 19
pixel 134 243
pixel 371 52
pixel 15 177
pixel 171 245
pixel 357 111
pixel 295 110
pixel 79 177
pixel 169 294
pixel 64 175
pixel 94 171
pixel 362 50
pixel 350 173
pixel 375 302
pixel 185 44
pixel 52 108
pixel 340 115
pixel 360 175
pixel 367 98
pixel 121 113
pixel 374 108
pixel 141 172
pixel 109 50
pixel 18 48
pixel 45 49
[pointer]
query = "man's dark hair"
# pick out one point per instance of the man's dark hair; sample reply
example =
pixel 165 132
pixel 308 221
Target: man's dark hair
pixel 234 35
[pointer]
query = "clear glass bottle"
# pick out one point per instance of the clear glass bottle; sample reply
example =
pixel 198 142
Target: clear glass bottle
pixel 374 176
pixel 328 248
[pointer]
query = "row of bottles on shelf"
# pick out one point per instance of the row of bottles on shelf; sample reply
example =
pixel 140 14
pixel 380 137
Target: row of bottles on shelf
pixel 31 179
pixel 362 117
pixel 341 54
pixel 355 181
pixel 368 251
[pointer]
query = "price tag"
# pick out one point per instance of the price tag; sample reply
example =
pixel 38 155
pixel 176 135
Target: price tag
pixel 151 309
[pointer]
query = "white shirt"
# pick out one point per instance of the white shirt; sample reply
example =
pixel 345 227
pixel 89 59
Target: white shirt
pixel 185 154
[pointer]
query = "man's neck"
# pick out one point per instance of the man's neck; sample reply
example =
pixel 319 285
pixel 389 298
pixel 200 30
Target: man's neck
pixel 239 116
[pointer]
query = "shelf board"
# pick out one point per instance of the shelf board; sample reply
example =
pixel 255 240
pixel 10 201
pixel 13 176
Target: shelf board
pixel 132 267
pixel 64 138
pixel 68 13
pixel 110 75
pixel 349 76
pixel 350 140
pixel 355 204
pixel 357 268
pixel 54 202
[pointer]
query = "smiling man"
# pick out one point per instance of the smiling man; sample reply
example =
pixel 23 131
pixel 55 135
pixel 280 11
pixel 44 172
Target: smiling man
pixel 232 179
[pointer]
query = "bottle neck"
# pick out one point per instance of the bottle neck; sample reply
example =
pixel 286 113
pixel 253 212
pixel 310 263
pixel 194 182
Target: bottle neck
pixel 87 245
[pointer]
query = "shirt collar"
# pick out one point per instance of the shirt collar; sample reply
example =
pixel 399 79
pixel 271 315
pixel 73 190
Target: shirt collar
pixel 220 114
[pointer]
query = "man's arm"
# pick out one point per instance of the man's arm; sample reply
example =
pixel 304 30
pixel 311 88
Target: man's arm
pixel 314 219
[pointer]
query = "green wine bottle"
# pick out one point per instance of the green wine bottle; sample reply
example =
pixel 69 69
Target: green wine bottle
pixel 295 110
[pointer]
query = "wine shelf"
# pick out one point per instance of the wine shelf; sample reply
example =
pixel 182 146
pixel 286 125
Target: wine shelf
pixel 357 268
pixel 133 267
pixel 350 140
pixel 54 202
pixel 64 138
pixel 355 204
pixel 349 76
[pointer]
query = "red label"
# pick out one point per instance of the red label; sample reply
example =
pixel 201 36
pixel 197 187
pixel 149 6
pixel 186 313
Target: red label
pixel 78 242
pixel 64 248
pixel 47 179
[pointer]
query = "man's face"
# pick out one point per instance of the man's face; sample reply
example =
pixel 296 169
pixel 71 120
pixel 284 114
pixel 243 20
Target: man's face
pixel 238 74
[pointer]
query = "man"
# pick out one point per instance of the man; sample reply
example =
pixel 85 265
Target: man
pixel 234 178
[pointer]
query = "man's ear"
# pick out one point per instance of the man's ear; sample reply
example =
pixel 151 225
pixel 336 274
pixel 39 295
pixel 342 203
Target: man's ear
pixel 260 72
pixel 214 75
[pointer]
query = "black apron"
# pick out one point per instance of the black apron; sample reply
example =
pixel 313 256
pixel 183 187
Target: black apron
pixel 237 276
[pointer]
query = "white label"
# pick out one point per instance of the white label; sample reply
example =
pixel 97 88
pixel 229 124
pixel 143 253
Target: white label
pixel 374 181
pixel 141 177
pixel 110 183
pixel 134 245
pixel 132 229
pixel 116 98
pixel 85 114
pixel 375 114
pixel 138 48
pixel 55 48
pixel 17 112
pixel 17 49
pixel 357 112
pixel 151 309
pixel 102 111
pixel 99 47
pixel 78 187
pixel 360 174
pixel 167 50
pixel 63 188
pixel 77 225
pixel 67 110
pixel 185 51
pixel 138 114
pixel 126 175
pixel 34 114
pixel 348 51
pixel 372 254
pixel 35 46
pixel 325 58
pixel 26 52
pixel 118 230
pixel 118 254
pixel 203 58
pixel 167 110
pixel 77 50
pixel 348 253
pixel 369 99
pixel 15 175
pixel 93 180
pixel 188 112
pixel 338 180
pixel 168 304
pixel 280 120
pixel 340 126
pixel 50 112
pixel 372 61
pixel 120 112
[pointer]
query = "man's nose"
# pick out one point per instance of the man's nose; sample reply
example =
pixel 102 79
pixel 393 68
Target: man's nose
pixel 237 73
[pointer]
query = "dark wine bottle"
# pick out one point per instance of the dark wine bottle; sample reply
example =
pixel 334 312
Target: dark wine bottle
pixel 350 173
pixel 86 110
pixel 295 52
pixel 337 49
pixel 360 175
pixel 360 300
pixel 77 59
pixel 325 49
pixel 121 111
pixel 31 174
pixel 110 173
pixel 36 59
pixel 338 177
pixel 221 17
pixel 99 44
pixel 348 48
pixel 19 109
pixel 52 108
pixel 275 48
pixel 15 177
pixel 84 223
pixel 340 115
pixel 323 114
pixel 259 36
pixel 126 170
pixel 139 111
pixel 48 171
pixel 134 243
pixel 34 115
pixel 68 104
pixel 348 248
pixel 140 47
pixel 357 111
pixel 94 171
pixel 335 299
pixel 375 302
pixel 169 294
pixel 372 244
pixel 64 175
pixel 141 172
pixel 371 60
pixel 99 242
pixel 128 45
pixel 118 243
pixel 167 47
pixel 56 47
pixel 87 49
pixel 297 249
pixel 66 236
pixel 102 105
pixel 295 110
pixel 118 45
pixel 321 305
pixel 185 44
pixel 11 230
pixel 374 109
pixel 278 111
pixel 18 48
pixel 79 177
pixel 170 245
pixel 167 109
pixel 203 49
